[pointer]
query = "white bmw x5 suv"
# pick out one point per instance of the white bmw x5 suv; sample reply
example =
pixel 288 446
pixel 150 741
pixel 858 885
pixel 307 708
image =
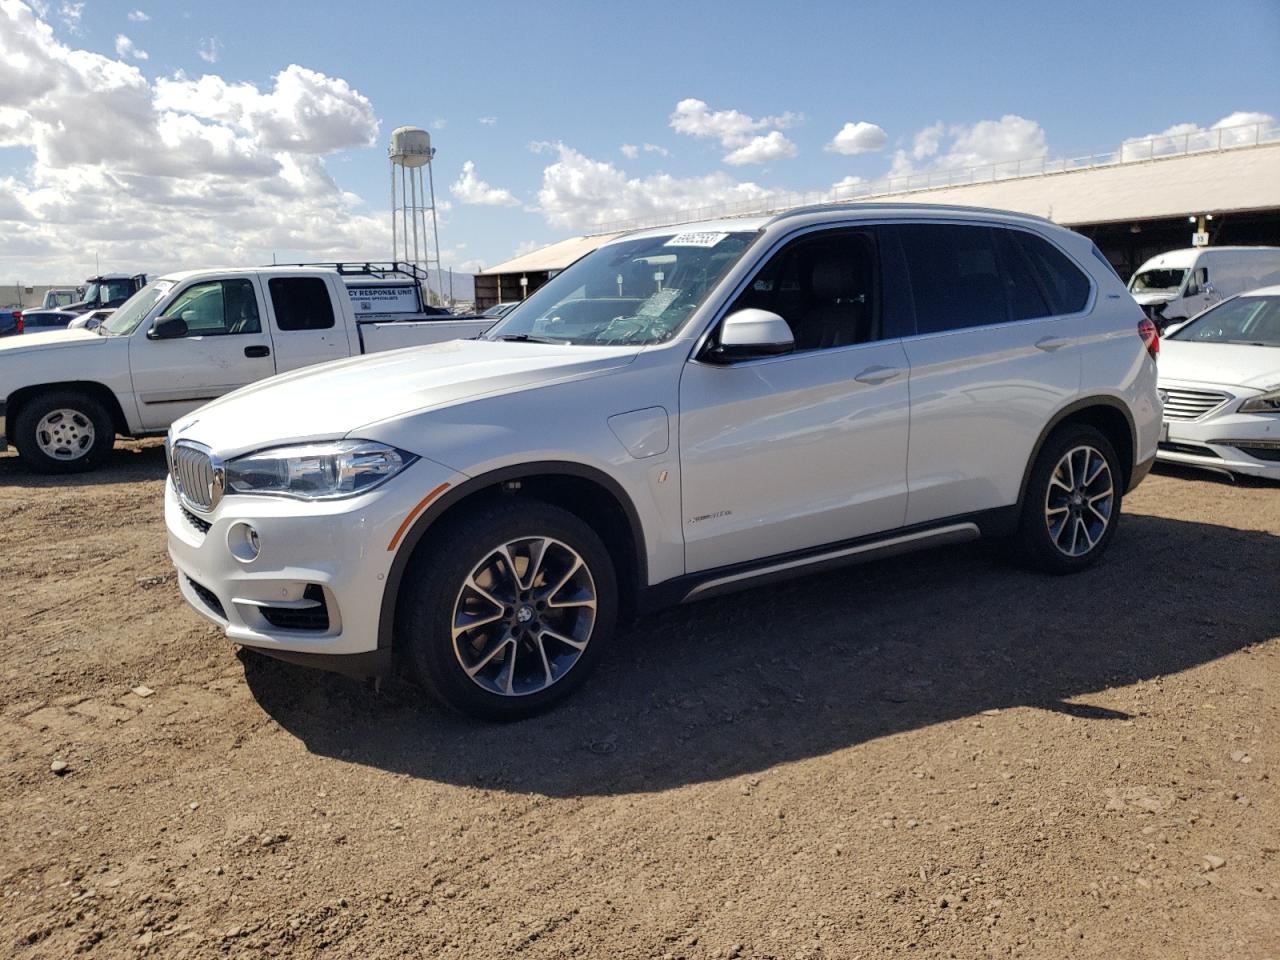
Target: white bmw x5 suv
pixel 685 411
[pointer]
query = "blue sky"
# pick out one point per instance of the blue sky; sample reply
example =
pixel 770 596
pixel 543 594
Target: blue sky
pixel 541 98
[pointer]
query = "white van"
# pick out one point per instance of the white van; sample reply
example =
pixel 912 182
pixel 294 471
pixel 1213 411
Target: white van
pixel 1179 284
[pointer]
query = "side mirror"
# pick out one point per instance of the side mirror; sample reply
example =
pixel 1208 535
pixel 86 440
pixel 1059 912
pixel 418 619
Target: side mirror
pixel 750 334
pixel 167 328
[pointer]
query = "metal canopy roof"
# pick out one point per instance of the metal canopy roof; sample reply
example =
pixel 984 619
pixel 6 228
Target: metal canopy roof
pixel 557 256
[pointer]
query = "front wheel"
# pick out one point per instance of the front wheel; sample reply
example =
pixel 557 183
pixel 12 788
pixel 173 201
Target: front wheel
pixel 1072 502
pixel 64 431
pixel 507 608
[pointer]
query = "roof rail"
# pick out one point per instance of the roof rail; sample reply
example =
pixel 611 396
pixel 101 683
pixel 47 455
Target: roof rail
pixel 381 269
pixel 865 205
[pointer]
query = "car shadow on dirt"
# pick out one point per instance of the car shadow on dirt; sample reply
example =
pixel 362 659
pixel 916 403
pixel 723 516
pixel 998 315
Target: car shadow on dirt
pixel 131 460
pixel 739 684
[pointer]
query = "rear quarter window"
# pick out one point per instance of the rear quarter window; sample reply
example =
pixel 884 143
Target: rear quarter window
pixel 1065 285
pixel 301 303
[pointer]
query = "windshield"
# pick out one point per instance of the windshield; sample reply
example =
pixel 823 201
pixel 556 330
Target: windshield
pixel 631 292
pixel 1164 281
pixel 1251 320
pixel 131 313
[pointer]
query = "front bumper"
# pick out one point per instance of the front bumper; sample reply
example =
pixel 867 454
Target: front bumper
pixel 333 553
pixel 1225 441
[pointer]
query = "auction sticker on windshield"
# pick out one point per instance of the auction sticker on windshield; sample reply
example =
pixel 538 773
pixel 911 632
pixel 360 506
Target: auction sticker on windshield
pixel 703 239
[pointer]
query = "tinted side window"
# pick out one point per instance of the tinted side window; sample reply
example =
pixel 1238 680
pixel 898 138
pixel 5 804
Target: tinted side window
pixel 955 276
pixel 1066 286
pixel 1022 286
pixel 301 303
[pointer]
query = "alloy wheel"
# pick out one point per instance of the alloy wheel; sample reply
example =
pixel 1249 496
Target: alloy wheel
pixel 1080 500
pixel 524 616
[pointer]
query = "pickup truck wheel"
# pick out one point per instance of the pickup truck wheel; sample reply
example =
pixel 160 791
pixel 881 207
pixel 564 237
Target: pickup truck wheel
pixel 507 609
pixel 64 431
pixel 1072 503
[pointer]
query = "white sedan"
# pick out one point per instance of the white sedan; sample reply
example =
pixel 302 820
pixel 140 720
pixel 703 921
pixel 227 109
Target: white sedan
pixel 1220 383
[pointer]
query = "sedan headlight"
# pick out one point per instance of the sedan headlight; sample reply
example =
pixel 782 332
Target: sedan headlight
pixel 1269 402
pixel 317 471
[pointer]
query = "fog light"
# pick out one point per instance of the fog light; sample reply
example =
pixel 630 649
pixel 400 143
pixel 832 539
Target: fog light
pixel 242 541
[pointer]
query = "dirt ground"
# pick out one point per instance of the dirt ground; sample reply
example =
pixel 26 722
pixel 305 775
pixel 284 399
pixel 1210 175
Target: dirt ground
pixel 938 755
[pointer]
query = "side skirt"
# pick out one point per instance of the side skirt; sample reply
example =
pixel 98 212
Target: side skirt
pixel 711 583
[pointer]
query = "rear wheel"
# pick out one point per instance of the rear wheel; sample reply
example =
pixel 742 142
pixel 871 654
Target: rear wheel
pixel 64 431
pixel 1072 502
pixel 507 609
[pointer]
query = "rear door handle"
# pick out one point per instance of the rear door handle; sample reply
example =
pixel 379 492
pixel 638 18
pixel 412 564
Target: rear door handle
pixel 877 374
pixel 257 351
pixel 1051 343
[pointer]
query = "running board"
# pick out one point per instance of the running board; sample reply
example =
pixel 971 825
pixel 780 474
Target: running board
pixel 904 543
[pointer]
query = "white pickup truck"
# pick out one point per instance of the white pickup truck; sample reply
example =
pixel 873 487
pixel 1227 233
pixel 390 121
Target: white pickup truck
pixel 187 338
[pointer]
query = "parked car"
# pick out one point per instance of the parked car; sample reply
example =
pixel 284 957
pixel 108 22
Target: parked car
pixel 1181 283
pixel 752 399
pixel 188 338
pixel 1220 382
pixel 10 321
pixel 56 298
pixel 42 321
pixel 500 310
pixel 90 320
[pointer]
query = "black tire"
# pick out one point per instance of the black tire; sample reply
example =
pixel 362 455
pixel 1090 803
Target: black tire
pixel 1035 543
pixel 433 588
pixel 86 409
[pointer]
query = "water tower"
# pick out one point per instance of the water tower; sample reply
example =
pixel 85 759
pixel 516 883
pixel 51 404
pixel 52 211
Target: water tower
pixel 411 152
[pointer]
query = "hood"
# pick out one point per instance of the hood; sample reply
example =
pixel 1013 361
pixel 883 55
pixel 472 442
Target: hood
pixel 1146 299
pixel 335 399
pixel 11 346
pixel 1229 364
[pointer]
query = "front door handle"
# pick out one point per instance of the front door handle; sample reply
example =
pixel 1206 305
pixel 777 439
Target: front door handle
pixel 257 351
pixel 1051 343
pixel 877 374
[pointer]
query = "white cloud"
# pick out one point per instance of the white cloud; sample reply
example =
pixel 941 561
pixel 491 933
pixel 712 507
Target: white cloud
pixel 526 246
pixel 138 16
pixel 175 172
pixel 984 143
pixel 631 151
pixel 126 48
pixel 486 121
pixel 306 111
pixel 1191 136
pixel 859 137
pixel 731 127
pixel 439 123
pixel 210 49
pixel 70 14
pixel 762 149
pixel 469 188
pixel 579 193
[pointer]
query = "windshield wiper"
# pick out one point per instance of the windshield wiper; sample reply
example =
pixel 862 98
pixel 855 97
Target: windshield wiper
pixel 528 338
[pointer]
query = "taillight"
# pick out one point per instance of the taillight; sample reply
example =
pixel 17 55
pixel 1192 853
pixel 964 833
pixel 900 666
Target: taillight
pixel 19 324
pixel 1150 337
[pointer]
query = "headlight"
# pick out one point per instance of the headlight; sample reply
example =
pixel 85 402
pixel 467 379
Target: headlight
pixel 319 471
pixel 1269 402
